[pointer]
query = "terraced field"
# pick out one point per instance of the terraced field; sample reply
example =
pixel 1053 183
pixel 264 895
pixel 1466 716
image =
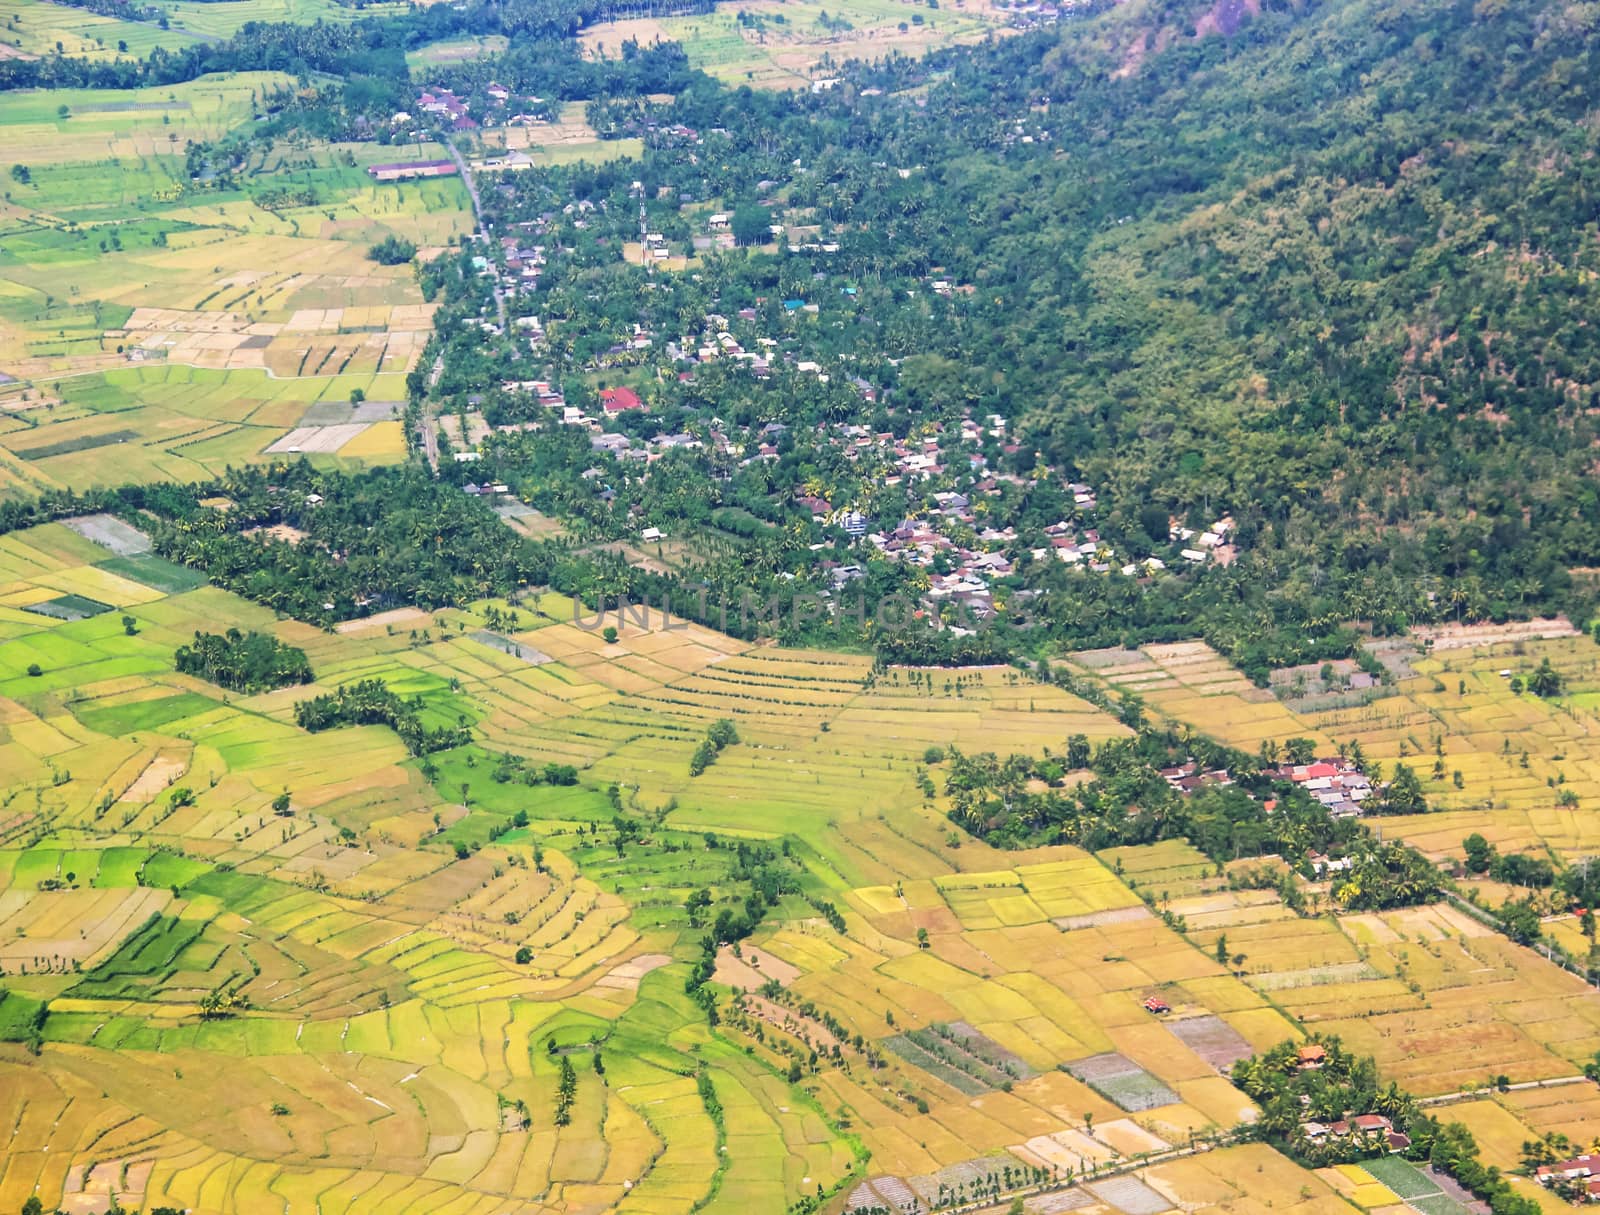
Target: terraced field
pixel 780 43
pixel 162 328
pixel 410 972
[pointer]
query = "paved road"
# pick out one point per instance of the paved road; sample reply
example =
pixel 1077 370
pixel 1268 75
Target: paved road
pixel 1103 1173
pixel 1473 1093
pixel 430 432
pixel 477 211
pixel 430 436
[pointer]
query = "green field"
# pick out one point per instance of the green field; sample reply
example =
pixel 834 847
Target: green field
pixel 783 43
pixel 454 50
pixel 163 330
pixel 101 124
pixel 38 27
pixel 220 18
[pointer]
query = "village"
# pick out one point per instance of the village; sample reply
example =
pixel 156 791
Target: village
pixel 952 473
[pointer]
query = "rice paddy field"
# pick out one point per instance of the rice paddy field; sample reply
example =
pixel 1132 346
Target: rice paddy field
pixel 407 1004
pixel 455 50
pixel 393 1041
pixel 424 956
pixel 159 329
pixel 780 43
pixel 1456 715
pixel 34 28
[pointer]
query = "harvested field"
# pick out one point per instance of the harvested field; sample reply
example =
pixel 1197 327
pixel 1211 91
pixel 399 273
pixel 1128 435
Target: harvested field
pixel 1442 637
pixel 111 533
pixel 314 439
pixel 1123 1081
pixel 1212 1038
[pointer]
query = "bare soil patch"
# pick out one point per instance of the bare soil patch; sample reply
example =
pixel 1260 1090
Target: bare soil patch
pixel 1471 636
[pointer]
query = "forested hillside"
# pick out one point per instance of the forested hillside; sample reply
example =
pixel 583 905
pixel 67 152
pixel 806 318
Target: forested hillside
pixel 1334 272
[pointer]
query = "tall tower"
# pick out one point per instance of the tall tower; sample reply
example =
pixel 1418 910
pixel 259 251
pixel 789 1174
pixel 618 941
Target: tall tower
pixel 644 245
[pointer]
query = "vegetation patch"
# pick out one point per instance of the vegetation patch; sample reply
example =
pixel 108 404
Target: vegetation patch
pixel 66 447
pixel 69 607
pixel 243 662
pixel 133 716
pixel 1122 1081
pixel 154 572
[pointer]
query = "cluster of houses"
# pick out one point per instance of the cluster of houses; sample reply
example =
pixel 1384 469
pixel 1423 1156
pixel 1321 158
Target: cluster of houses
pixel 1373 1129
pixel 1210 545
pixel 949 468
pixel 1337 783
pixel 1190 776
pixel 524 262
pixel 1577 1180
pixel 949 538
pixel 444 107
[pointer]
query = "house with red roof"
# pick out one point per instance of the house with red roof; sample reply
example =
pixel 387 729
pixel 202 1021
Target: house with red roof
pixel 620 399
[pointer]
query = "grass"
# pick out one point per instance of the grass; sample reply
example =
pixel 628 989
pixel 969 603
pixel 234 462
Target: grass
pixel 17 1013
pixel 147 958
pixel 1401 1176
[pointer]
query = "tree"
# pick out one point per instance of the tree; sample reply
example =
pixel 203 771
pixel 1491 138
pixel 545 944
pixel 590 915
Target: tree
pixel 392 251
pixel 566 1092
pixel 1300 750
pixel 1480 853
pixel 243 662
pixel 1519 920
pixel 609 634
pixel 23 176
pixel 1546 681
pixel 1404 793
pixel 751 224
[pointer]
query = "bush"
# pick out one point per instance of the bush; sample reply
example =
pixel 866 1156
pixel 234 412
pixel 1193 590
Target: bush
pixel 392 251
